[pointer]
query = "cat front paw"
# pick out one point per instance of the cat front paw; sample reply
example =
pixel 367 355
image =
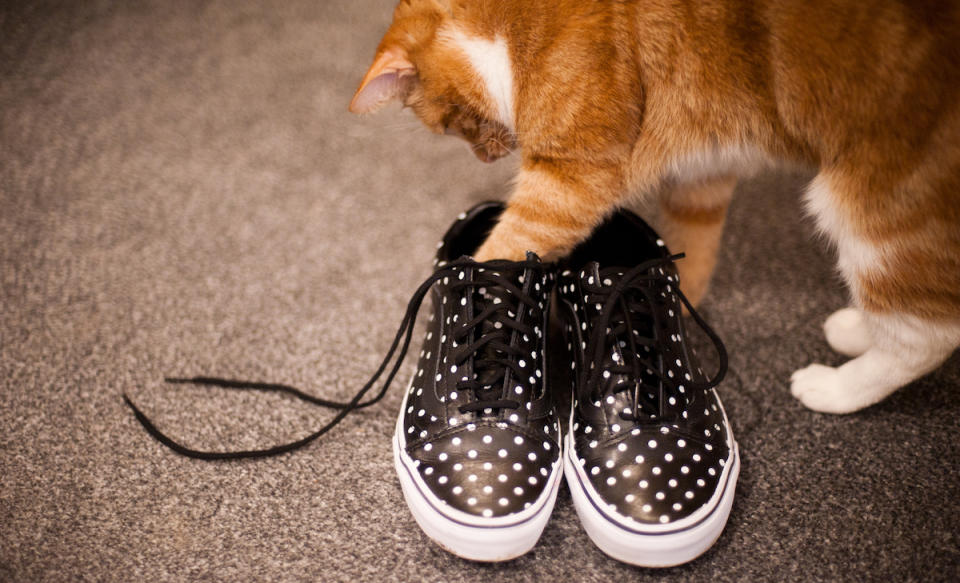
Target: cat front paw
pixel 847 332
pixel 494 249
pixel 821 388
pixel 507 242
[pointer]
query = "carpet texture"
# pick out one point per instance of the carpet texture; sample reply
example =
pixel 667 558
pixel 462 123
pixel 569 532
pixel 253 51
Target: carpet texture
pixel 184 192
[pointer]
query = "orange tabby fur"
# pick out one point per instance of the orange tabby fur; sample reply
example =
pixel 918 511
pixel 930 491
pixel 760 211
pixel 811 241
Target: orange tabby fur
pixel 612 101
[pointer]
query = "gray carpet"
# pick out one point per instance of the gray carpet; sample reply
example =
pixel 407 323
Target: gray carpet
pixel 182 191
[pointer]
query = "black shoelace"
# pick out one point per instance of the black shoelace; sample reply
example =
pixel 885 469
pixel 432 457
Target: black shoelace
pixel 488 341
pixel 490 338
pixel 630 307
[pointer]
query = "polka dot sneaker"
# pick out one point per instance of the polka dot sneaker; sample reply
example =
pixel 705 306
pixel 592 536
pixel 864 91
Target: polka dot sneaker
pixel 650 459
pixel 477 443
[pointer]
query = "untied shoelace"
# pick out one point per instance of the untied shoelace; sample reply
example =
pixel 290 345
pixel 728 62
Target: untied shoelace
pixel 490 348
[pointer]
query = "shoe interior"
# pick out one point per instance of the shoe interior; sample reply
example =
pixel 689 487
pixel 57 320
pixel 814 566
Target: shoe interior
pixel 466 236
pixel 623 240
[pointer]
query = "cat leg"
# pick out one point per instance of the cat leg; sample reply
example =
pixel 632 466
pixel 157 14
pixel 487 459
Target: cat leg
pixel 691 221
pixel 904 348
pixel 553 207
pixel 847 332
pixel 897 347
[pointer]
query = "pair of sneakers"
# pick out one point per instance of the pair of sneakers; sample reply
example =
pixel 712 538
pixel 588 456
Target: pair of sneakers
pixel 479 446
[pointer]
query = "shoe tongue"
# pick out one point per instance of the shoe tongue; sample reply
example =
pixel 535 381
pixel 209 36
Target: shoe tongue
pixel 641 321
pixel 592 274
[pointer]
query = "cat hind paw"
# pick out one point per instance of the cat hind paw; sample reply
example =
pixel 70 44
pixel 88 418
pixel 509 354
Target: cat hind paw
pixel 821 388
pixel 847 332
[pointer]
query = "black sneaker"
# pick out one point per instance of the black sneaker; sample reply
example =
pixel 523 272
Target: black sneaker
pixel 650 459
pixel 477 445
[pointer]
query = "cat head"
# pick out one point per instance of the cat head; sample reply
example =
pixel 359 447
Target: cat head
pixel 420 63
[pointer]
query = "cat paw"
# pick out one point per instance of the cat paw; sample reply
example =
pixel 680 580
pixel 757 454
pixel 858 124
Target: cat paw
pixel 821 388
pixel 492 250
pixel 847 332
pixel 511 248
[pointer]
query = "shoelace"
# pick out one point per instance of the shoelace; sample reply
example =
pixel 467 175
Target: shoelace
pixel 490 339
pixel 624 304
pixel 487 343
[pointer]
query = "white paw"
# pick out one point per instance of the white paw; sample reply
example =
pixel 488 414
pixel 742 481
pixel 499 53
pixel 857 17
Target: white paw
pixel 821 388
pixel 847 332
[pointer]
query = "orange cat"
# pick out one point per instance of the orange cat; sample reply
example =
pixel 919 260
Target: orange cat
pixel 611 102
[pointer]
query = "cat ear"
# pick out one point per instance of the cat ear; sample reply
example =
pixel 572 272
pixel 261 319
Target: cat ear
pixel 390 77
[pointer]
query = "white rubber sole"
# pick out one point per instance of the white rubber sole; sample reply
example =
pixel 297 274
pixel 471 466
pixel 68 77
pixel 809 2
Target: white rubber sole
pixel 465 535
pixel 653 545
